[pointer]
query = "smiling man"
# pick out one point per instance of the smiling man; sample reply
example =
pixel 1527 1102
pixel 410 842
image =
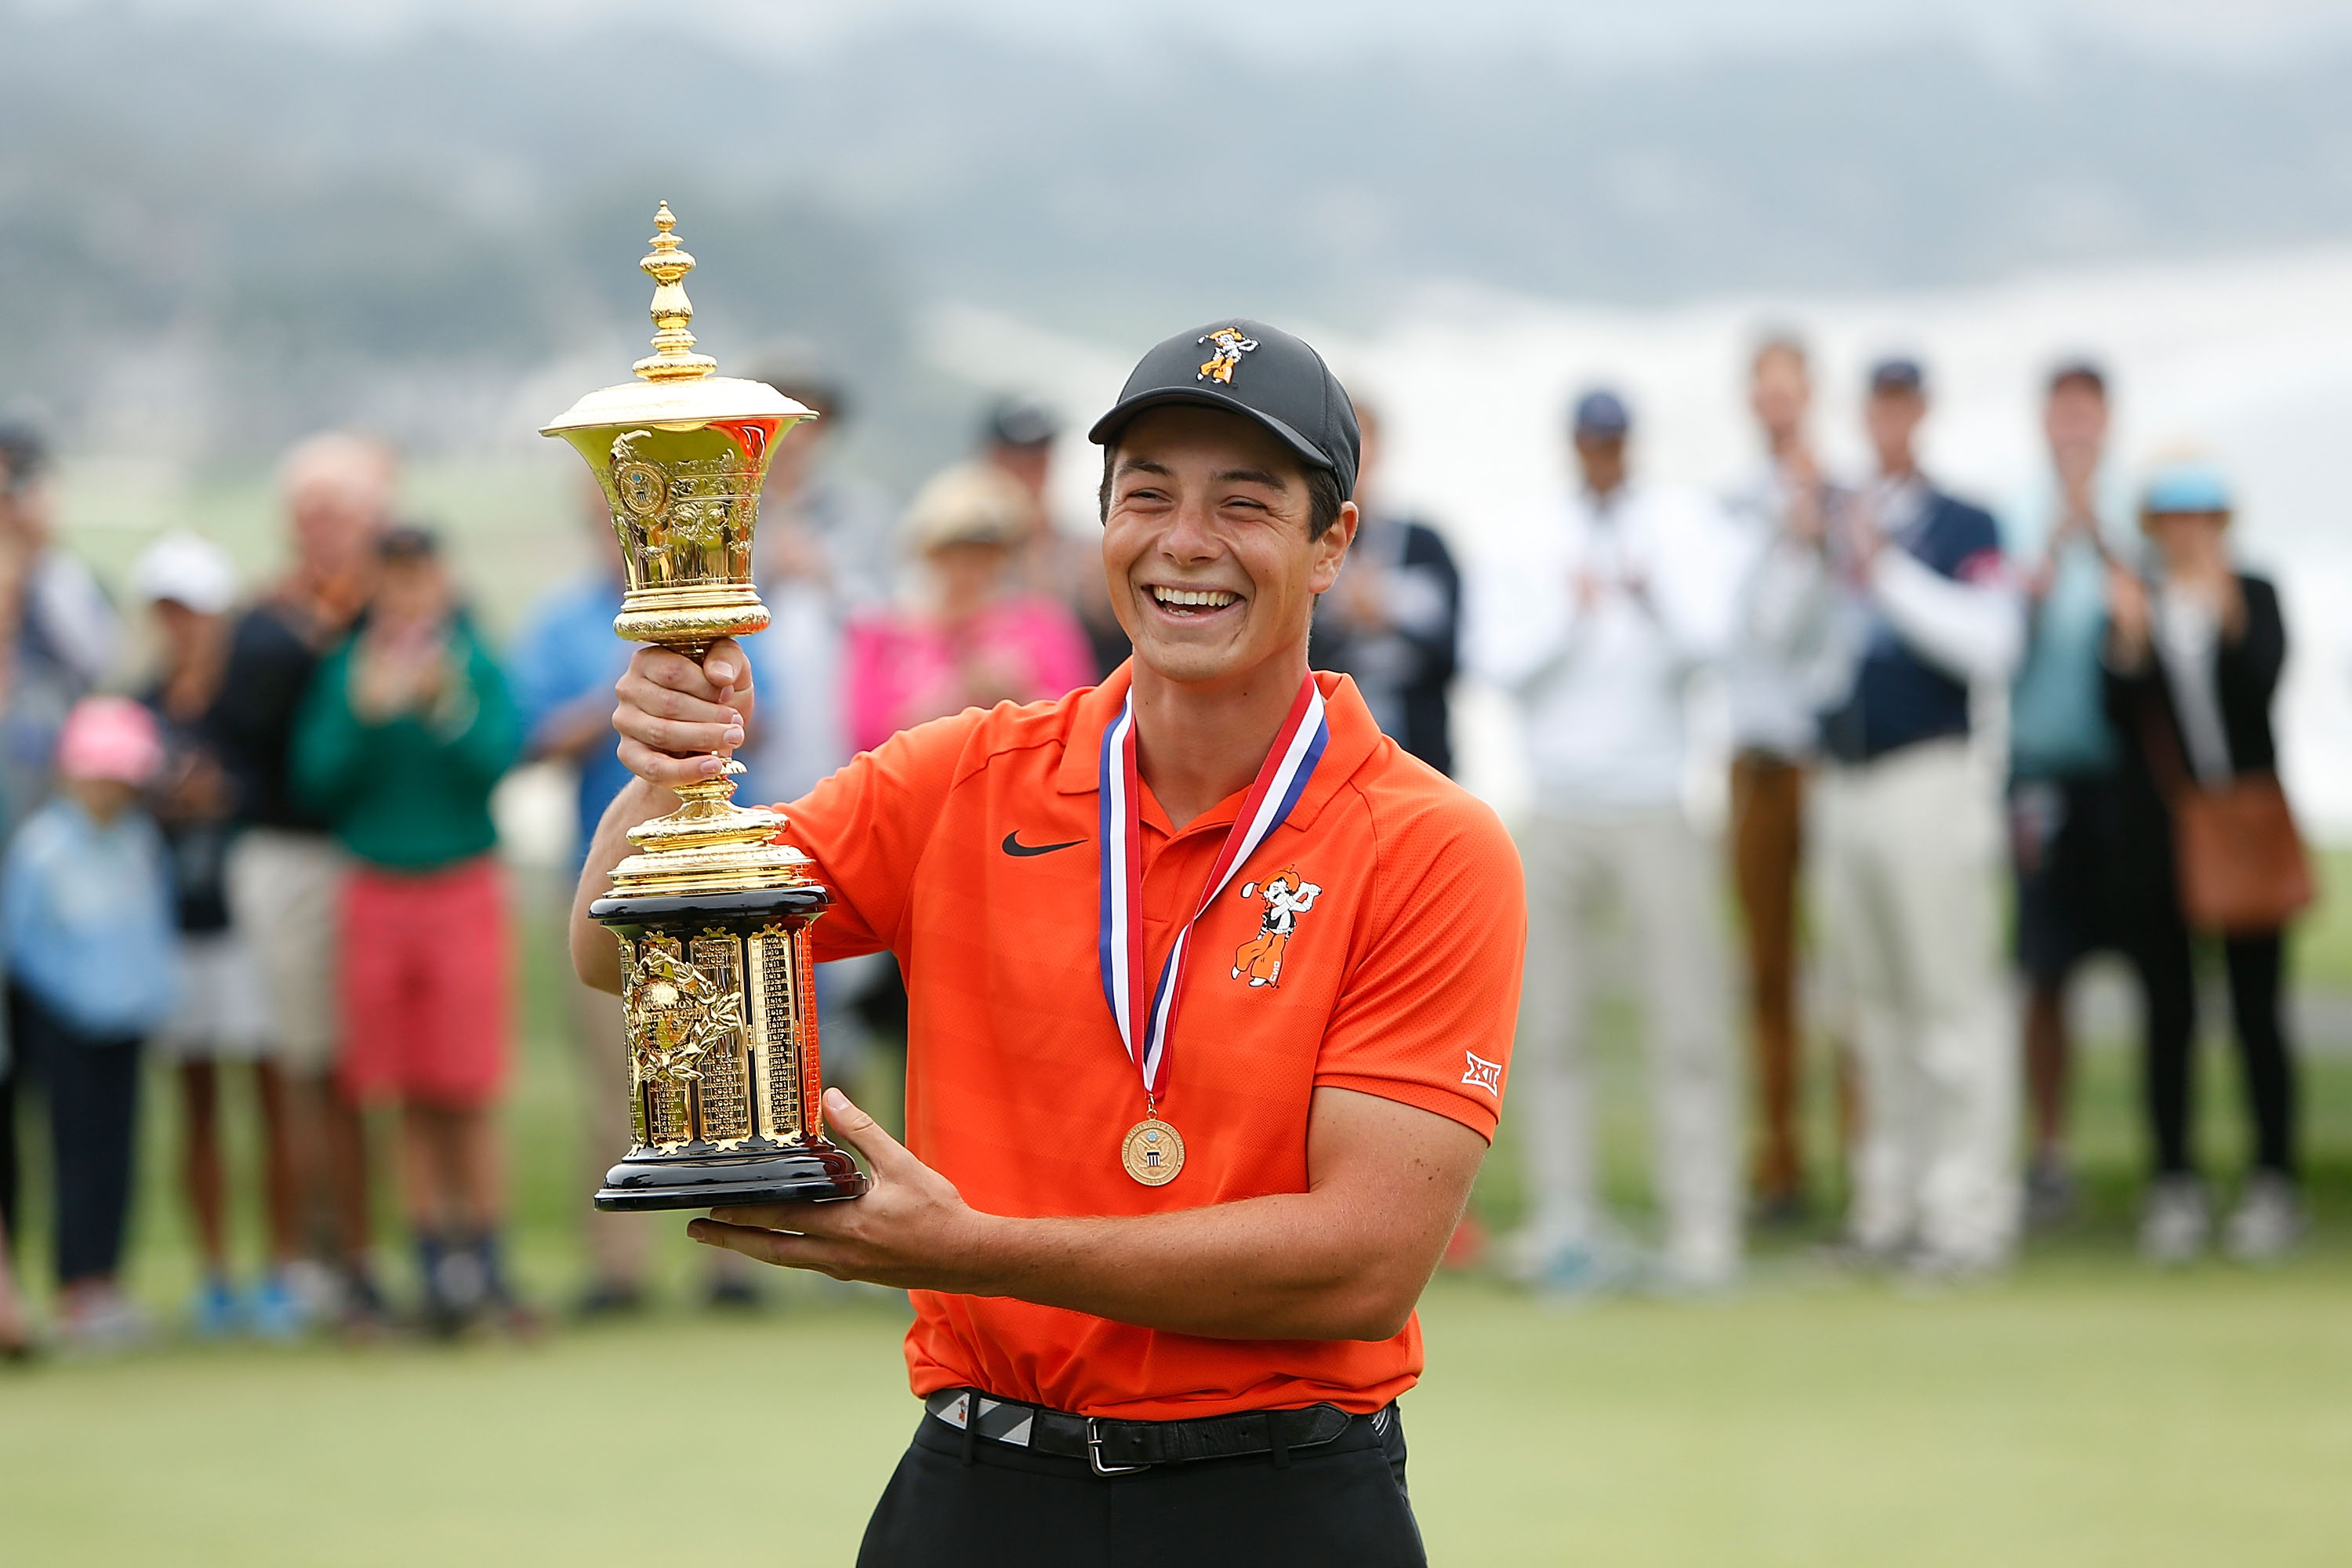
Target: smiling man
pixel 1164 1209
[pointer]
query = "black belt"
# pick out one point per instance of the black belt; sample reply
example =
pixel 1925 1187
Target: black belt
pixel 1115 1447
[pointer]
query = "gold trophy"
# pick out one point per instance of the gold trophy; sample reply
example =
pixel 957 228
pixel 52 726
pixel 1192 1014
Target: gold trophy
pixel 712 913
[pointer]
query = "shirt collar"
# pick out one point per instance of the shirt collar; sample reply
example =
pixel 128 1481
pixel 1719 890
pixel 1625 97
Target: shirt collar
pixel 1355 738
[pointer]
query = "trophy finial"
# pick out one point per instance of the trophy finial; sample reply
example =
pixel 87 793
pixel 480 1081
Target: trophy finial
pixel 673 358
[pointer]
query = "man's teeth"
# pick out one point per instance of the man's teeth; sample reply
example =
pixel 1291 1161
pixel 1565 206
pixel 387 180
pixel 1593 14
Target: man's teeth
pixel 1207 598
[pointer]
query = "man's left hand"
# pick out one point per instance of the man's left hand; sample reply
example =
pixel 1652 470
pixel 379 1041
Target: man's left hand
pixel 911 1230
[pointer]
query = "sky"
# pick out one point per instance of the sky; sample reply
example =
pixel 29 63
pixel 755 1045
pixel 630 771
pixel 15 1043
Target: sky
pixel 1604 32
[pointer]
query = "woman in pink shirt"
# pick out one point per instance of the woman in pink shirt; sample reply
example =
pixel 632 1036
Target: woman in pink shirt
pixel 973 638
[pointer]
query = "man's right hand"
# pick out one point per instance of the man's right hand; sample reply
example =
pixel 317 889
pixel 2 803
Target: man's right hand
pixel 674 716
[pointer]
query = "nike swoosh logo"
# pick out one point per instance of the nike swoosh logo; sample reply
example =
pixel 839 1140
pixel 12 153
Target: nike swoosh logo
pixel 1013 845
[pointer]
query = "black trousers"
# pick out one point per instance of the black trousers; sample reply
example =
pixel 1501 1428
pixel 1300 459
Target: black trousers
pixel 986 1504
pixel 92 1086
pixel 2162 952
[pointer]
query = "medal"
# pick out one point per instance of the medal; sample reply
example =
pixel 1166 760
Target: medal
pixel 1152 1151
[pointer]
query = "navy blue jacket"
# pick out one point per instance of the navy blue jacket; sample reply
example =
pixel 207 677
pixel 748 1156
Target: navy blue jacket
pixel 1899 699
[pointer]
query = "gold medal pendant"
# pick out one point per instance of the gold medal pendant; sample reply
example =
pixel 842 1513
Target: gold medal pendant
pixel 1153 1151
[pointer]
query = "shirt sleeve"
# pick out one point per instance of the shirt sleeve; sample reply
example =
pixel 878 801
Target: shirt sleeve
pixel 1426 1014
pixel 1968 621
pixel 867 827
pixel 1521 620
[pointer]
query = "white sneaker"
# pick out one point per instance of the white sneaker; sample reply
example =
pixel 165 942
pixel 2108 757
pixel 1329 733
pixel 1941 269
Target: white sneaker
pixel 101 1321
pixel 2173 1228
pixel 2268 1220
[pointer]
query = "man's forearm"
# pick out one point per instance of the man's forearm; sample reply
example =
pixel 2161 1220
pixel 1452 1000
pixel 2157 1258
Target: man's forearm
pixel 595 957
pixel 1290 1265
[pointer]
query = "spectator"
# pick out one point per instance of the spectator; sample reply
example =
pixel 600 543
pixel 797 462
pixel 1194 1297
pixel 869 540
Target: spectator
pixel 1905 839
pixel 189 585
pixel 2063 822
pixel 16 1327
pixel 1596 629
pixel 1017 438
pixel 58 634
pixel 563 670
pixel 86 904
pixel 406 729
pixel 826 552
pixel 972 639
pixel 1393 619
pixel 283 871
pixel 2193 665
pixel 1773 697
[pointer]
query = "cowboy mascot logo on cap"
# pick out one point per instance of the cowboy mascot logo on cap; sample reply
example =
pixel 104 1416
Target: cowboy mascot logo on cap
pixel 1230 344
pixel 1287 896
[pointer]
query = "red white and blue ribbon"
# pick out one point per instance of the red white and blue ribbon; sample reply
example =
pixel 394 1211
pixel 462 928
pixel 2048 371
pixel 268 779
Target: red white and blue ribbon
pixel 1281 780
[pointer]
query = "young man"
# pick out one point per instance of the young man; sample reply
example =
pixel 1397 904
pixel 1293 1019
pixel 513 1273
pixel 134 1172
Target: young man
pixel 284 873
pixel 1016 438
pixel 2064 820
pixel 1773 701
pixel 1596 629
pixel 1908 838
pixel 406 729
pixel 1206 1361
pixel 1394 623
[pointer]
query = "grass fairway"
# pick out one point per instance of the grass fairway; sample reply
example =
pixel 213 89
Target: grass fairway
pixel 2077 1417
pixel 2087 1411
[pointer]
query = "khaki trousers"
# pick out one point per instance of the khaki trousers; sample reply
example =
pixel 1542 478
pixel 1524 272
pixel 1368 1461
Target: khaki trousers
pixel 1907 851
pixel 1655 867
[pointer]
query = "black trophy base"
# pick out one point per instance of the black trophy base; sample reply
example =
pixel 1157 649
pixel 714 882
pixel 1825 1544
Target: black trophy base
pixel 784 1174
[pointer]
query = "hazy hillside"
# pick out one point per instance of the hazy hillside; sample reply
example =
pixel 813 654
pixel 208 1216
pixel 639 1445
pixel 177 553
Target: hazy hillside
pixel 262 227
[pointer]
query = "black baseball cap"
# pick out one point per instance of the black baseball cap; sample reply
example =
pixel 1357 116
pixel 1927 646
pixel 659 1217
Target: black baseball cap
pixel 408 541
pixel 1601 413
pixel 1259 372
pixel 1019 422
pixel 1897 372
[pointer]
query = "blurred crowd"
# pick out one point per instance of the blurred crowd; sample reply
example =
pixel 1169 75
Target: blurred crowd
pixel 271 860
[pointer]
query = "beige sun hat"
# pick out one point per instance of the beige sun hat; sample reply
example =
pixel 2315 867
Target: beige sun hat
pixel 970 503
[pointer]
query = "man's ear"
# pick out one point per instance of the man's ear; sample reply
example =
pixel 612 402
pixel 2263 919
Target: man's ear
pixel 1331 549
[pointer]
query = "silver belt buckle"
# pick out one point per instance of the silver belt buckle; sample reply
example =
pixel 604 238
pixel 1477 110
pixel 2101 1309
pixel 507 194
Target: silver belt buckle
pixel 1094 1453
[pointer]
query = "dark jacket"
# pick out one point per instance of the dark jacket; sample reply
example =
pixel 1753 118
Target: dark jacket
pixel 1405 674
pixel 272 655
pixel 2140 707
pixel 1898 697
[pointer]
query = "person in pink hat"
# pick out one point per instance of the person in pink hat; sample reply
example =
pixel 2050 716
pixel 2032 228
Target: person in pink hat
pixel 86 907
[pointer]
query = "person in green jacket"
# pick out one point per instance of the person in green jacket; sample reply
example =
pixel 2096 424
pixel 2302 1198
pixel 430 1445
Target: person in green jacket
pixel 405 732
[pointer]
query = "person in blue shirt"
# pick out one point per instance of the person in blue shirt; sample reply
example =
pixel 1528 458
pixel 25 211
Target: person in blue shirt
pixel 86 906
pixel 561 672
pixel 2064 838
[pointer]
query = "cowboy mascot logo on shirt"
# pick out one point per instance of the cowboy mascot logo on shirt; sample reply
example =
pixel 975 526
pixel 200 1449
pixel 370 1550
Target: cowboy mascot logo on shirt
pixel 1287 896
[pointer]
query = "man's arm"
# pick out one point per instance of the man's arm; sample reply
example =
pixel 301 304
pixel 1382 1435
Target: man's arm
pixel 1346 1259
pixel 1972 629
pixel 672 716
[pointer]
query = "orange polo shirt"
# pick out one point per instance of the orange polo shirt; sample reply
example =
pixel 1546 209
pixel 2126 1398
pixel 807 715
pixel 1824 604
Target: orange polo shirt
pixel 1401 980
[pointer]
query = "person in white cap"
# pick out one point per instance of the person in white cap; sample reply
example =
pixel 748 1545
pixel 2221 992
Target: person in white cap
pixel 189 585
pixel 972 637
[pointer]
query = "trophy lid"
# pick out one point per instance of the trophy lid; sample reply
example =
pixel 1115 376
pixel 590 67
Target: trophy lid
pixel 675 389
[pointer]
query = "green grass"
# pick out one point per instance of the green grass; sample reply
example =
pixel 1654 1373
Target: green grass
pixel 2083 1415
